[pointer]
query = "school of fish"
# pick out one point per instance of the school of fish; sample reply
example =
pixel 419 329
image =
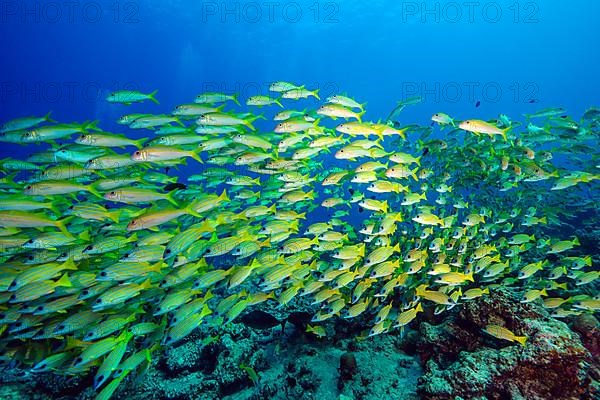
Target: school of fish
pixel 106 257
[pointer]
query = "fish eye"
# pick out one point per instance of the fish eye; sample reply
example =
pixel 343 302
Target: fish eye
pixel 163 282
pixel 103 273
pixel 78 360
pixel 98 301
pixel 28 187
pixel 85 292
pixel 90 247
pixel 30 258
pixel 40 308
pixel 169 338
pixel 137 153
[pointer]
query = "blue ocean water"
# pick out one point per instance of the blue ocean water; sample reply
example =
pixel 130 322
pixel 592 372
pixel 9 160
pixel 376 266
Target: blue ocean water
pixel 67 56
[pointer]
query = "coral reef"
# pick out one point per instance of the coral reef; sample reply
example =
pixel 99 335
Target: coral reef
pixel 449 357
pixel 461 361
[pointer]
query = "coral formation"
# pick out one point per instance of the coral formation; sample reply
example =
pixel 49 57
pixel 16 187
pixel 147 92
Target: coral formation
pixel 462 361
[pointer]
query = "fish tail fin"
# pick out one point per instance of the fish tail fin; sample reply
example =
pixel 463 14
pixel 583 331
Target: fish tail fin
pixel 195 154
pixel 62 225
pixel 521 339
pixel 189 209
pixel 93 190
pixel 223 196
pixel 316 93
pixel 69 265
pixel 90 126
pixel 156 267
pixel 147 284
pixel 115 215
pixel 249 125
pixel 234 98
pixel 278 102
pixel 543 220
pixel 47 117
pixel 362 250
pixel 169 197
pixel 363 105
pixel 576 241
pixel 360 114
pixel 152 96
pixel 265 243
pixel 413 173
pixel 63 281
pixel 418 161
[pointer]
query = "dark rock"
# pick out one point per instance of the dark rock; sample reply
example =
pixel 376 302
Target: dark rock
pixel 348 366
pixel 300 319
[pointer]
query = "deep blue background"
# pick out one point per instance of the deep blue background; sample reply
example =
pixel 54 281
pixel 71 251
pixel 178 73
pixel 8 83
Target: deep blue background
pixel 378 51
